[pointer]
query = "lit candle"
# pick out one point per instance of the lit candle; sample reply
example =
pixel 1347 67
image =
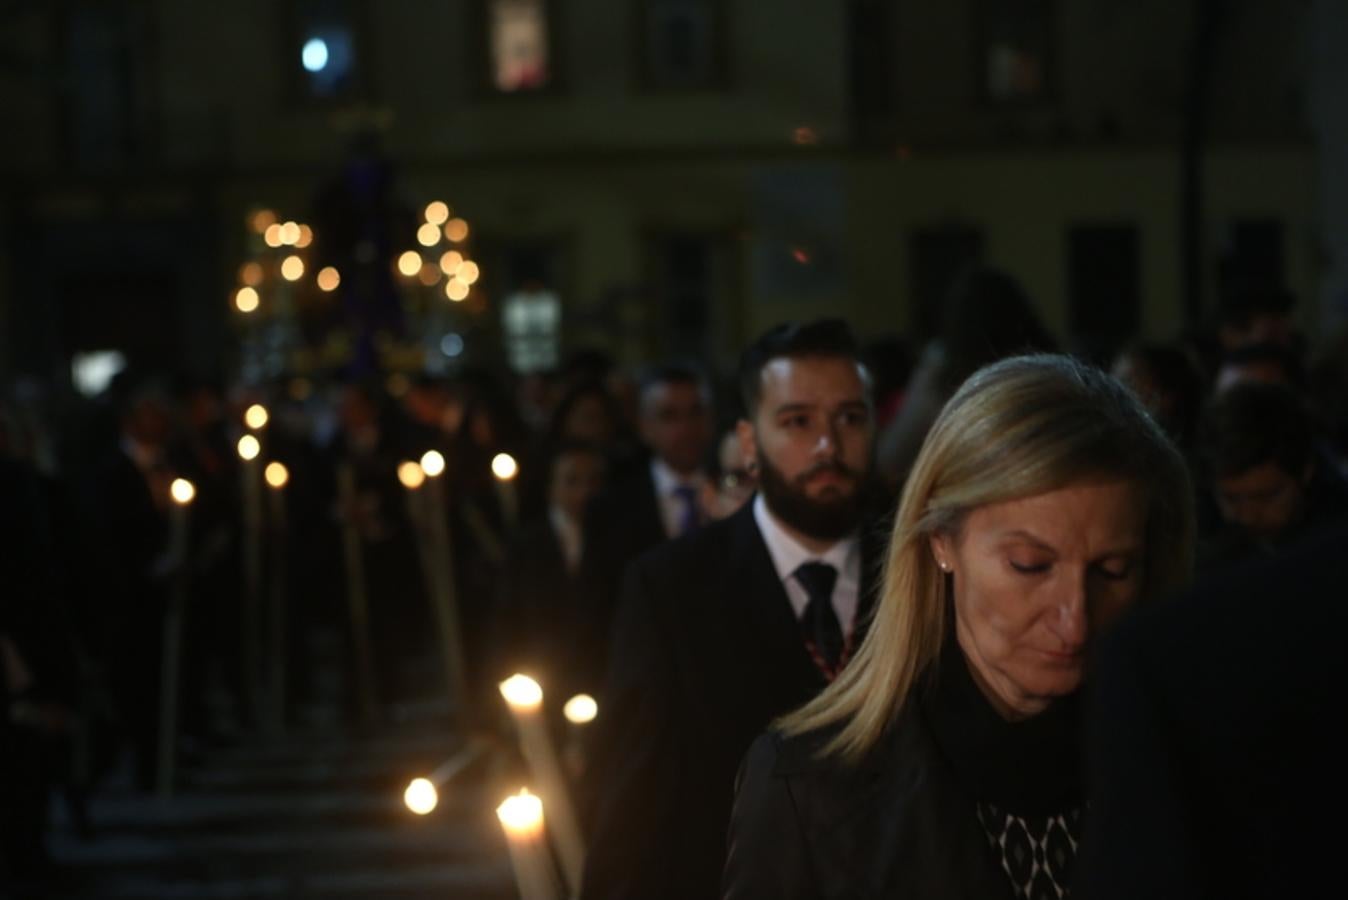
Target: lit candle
pixel 422 795
pixel 521 819
pixel 277 476
pixel 525 699
pixel 441 586
pixel 183 492
pixel 250 449
pixel 580 711
pixel 504 468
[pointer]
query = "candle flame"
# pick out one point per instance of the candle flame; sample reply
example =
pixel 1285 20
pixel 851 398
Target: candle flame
pixel 182 491
pixel 521 813
pixel 411 475
pixel 581 709
pixel 276 475
pixel 522 692
pixel 421 796
pixel 255 416
pixel 249 447
pixel 504 467
pixel 432 463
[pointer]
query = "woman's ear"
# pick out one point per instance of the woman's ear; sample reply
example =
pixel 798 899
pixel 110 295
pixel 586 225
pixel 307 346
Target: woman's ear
pixel 942 550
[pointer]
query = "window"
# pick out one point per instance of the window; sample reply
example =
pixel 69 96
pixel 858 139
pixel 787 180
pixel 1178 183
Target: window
pixel 682 46
pixel 1103 286
pixel 324 51
pixel 527 272
pixel 521 55
pixel 1016 44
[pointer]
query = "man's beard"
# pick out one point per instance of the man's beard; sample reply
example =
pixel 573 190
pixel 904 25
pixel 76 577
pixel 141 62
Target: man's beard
pixel 824 518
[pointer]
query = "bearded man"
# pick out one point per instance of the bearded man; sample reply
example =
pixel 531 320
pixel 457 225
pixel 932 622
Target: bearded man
pixel 724 630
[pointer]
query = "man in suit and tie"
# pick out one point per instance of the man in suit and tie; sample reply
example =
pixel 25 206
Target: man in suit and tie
pixel 724 630
pixel 659 497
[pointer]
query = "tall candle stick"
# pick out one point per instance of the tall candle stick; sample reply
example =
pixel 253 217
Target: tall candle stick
pixel 504 468
pixel 183 493
pixel 250 448
pixel 579 711
pixel 525 699
pixel 443 586
pixel 521 819
pixel 357 600
pixel 277 477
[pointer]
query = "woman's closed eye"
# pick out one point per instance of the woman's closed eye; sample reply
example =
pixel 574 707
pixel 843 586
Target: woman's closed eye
pixel 1029 567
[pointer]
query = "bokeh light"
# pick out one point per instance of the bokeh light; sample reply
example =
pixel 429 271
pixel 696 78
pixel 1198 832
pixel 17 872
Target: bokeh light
pixel 328 278
pixel 292 268
pixel 437 212
pixel 276 474
pixel 409 263
pixel 182 491
pixel 428 235
pixel 421 796
pixel 456 230
pixel 246 300
pixel 432 463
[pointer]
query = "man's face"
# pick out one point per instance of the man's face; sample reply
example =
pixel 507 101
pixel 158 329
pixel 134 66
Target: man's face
pixel 1264 500
pixel 676 424
pixel 812 436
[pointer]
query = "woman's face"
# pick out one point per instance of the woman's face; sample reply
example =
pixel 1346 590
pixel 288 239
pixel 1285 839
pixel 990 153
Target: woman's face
pixel 1035 579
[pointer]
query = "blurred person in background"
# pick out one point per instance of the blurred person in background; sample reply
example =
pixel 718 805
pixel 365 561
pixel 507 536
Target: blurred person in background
pixel 1169 383
pixel 545 591
pixel 1270 482
pixel 988 316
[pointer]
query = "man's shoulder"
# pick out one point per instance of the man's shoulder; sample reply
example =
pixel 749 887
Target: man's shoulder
pixel 707 550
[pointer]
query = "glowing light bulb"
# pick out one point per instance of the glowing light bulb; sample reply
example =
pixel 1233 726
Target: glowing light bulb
pixel 428 235
pixel 437 212
pixel 409 263
pixel 182 491
pixel 421 796
pixel 456 230
pixel 450 261
pixel 432 463
pixel 456 290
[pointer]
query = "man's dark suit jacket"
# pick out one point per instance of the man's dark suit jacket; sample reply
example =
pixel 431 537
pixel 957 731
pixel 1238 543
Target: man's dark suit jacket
pixel 707 652
pixel 1218 751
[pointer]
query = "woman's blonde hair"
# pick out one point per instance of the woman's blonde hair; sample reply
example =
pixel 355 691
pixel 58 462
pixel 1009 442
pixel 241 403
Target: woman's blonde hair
pixel 1016 428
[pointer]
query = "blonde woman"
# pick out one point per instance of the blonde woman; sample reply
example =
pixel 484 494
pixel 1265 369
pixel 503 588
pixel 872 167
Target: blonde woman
pixel 943 762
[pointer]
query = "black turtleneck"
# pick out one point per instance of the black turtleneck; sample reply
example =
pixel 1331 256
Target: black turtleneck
pixel 1024 777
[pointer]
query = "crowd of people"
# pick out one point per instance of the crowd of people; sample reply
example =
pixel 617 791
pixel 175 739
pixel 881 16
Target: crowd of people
pixel 875 573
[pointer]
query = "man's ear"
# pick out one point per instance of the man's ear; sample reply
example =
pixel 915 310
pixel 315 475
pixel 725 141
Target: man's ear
pixel 744 432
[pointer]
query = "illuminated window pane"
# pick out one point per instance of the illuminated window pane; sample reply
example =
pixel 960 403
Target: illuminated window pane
pixel 532 319
pixel 520 54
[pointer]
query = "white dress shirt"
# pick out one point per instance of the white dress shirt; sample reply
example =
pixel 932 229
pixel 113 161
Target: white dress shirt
pixel 569 536
pixel 666 481
pixel 788 556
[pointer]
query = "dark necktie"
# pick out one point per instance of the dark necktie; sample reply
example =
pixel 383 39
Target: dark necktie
pixel 689 515
pixel 820 621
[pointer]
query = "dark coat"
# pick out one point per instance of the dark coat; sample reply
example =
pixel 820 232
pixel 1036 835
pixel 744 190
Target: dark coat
pixel 897 824
pixel 1217 747
pixel 707 652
